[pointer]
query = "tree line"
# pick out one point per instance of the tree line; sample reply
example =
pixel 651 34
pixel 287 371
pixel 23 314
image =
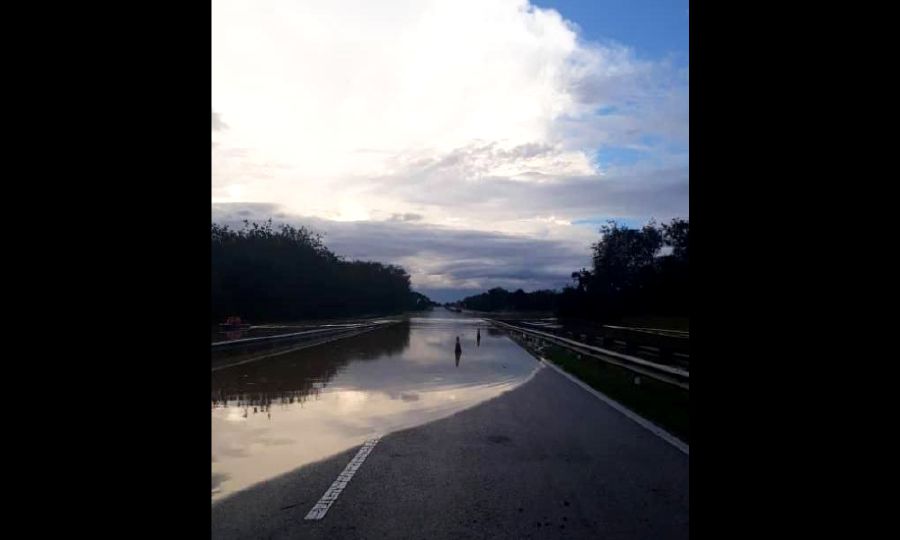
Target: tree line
pixel 263 273
pixel 634 272
pixel 500 299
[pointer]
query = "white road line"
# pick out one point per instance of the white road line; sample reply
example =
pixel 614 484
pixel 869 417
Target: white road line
pixel 641 421
pixel 321 508
pixel 304 345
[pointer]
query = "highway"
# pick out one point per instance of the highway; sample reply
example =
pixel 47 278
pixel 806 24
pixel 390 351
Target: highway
pixel 496 445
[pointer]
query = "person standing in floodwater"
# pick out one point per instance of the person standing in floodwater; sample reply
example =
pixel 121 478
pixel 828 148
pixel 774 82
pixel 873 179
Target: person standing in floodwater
pixel 458 351
pixel 478 338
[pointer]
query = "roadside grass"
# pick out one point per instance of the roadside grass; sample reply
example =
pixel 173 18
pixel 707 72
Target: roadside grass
pixel 663 404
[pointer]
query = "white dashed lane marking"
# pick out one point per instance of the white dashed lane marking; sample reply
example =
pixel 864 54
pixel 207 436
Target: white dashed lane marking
pixel 321 508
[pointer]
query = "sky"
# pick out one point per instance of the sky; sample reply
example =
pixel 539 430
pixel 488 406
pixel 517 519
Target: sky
pixel 476 143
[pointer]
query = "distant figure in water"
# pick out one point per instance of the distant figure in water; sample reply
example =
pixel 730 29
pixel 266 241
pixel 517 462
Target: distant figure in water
pixel 458 351
pixel 478 338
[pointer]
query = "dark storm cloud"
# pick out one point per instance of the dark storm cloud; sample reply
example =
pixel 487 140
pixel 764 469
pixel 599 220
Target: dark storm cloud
pixel 429 252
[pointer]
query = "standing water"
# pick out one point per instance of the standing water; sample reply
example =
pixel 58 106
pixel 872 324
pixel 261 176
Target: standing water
pixel 272 416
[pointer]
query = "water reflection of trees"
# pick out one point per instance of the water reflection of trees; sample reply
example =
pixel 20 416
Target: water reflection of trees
pixel 295 377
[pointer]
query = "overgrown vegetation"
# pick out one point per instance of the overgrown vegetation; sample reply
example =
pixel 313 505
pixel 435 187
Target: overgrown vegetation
pixel 499 299
pixel 635 272
pixel 664 404
pixel 267 274
pixel 633 275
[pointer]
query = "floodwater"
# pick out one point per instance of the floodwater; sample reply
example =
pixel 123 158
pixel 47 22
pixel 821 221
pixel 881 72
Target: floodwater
pixel 272 416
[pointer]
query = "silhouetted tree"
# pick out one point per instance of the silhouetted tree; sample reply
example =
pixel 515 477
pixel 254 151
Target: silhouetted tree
pixel 262 273
pixel 630 274
pixel 676 235
pixel 499 299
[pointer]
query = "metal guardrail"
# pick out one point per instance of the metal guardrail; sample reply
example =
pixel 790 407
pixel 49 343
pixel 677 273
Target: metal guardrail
pixel 656 331
pixel 241 351
pixel 666 347
pixel 664 373
pixel 221 345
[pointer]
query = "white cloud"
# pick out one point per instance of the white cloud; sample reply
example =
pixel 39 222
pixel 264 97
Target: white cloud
pixel 314 82
pixel 468 114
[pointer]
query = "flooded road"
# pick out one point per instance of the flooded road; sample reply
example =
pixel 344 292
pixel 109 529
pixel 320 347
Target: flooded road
pixel 272 416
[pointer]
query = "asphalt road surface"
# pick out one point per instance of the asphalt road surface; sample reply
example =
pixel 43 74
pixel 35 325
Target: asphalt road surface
pixel 544 460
